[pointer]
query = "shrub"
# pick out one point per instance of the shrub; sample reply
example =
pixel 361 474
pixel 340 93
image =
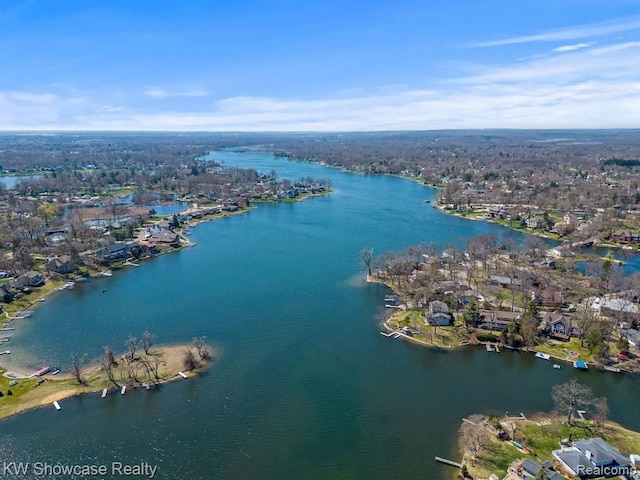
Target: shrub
pixel 487 337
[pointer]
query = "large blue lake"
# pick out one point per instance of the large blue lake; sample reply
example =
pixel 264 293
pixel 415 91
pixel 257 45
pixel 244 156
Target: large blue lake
pixel 304 385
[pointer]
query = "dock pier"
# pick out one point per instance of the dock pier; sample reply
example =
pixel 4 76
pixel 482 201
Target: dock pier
pixel 448 462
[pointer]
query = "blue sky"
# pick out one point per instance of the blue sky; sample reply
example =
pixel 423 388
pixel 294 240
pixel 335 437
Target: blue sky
pixel 285 65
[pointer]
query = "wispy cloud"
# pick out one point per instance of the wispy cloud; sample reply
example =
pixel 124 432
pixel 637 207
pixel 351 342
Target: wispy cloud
pixel 156 92
pixel 569 33
pixel 571 48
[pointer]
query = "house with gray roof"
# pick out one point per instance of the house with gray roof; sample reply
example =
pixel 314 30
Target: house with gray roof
pixel 530 468
pixel 593 458
pixel 438 314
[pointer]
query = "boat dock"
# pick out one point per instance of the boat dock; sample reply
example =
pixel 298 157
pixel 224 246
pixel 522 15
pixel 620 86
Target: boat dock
pixel 387 334
pixel 57 405
pixel 448 462
pixel 182 374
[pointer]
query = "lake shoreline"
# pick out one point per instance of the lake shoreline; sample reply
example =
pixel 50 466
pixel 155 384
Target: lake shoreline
pixel 51 389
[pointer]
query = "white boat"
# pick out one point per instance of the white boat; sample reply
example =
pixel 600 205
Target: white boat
pixel 556 366
pixel 544 356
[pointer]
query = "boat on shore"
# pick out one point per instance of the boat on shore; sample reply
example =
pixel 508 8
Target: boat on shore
pixel 580 365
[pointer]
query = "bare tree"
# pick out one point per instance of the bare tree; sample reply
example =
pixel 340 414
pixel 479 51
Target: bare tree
pixel 474 435
pixel 366 257
pixel 568 397
pixel 586 317
pixel 601 411
pixel 106 363
pixel 148 339
pixel 132 344
pixel 108 355
pixel 76 368
pixel 201 347
pixel 189 359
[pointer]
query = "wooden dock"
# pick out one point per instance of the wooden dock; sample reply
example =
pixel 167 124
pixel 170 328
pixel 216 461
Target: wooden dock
pixel 57 405
pixel 448 462
pixel 104 393
pixel 182 374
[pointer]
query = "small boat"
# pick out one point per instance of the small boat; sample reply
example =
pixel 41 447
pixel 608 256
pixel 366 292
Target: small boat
pixel 6 352
pixel 56 371
pixel 57 405
pixel 544 356
pixel 104 290
pixel 580 365
pixel 123 390
pixel 556 366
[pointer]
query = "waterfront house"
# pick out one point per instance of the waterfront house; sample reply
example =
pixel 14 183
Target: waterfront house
pixel 31 279
pixel 165 237
pixel 623 236
pixel 114 251
pixel 62 264
pixel 497 319
pixel 556 325
pixel 592 458
pixel 438 314
pixel 6 295
pixel 529 469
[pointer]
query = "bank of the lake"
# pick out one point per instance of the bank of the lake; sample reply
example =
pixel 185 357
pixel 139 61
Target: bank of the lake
pixel 23 391
pixel 305 387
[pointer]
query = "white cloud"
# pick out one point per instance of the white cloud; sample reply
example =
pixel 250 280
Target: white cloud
pixel 156 92
pixel 571 48
pixel 570 33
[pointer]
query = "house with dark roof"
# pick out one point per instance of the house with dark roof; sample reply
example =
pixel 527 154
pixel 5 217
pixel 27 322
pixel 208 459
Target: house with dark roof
pixel 61 264
pixel 31 279
pixel 166 237
pixel 593 458
pixel 530 468
pixel 557 325
pixel 497 319
pixel 438 314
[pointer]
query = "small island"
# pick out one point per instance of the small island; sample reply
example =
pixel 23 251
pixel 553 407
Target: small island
pixel 143 366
